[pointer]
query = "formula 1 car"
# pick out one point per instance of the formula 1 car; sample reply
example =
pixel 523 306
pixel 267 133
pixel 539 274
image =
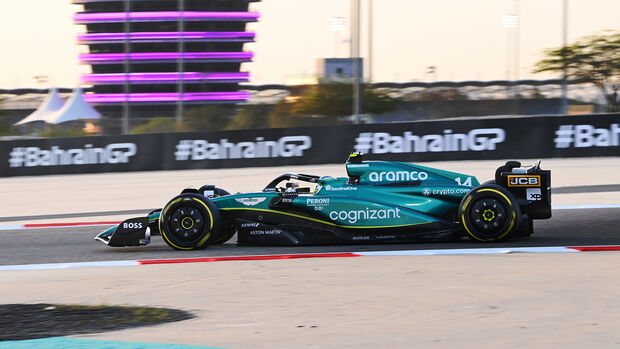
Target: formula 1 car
pixel 379 202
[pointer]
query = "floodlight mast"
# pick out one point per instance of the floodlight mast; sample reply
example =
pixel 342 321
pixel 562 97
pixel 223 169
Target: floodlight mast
pixel 564 68
pixel 355 57
pixel 180 62
pixel 126 67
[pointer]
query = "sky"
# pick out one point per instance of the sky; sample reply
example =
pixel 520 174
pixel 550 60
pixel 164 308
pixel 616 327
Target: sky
pixel 463 39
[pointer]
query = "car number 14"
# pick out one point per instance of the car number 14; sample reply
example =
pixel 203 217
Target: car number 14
pixel 467 182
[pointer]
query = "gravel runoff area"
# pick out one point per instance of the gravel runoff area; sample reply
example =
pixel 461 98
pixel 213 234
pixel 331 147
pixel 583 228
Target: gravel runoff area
pixel 44 320
pixel 507 301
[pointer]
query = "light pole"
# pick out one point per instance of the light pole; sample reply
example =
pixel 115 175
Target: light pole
pixel 126 67
pixel 431 70
pixel 510 22
pixel 355 57
pixel 564 69
pixel 180 62
pixel 517 39
pixel 369 63
pixel 336 24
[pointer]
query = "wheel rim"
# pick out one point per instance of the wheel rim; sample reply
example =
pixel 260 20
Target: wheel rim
pixel 488 215
pixel 186 223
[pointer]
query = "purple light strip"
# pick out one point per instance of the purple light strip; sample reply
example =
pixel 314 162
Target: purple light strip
pixel 167 36
pixel 164 16
pixel 166 77
pixel 108 57
pixel 165 97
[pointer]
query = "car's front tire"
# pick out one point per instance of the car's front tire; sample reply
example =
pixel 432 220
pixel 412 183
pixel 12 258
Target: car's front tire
pixel 489 213
pixel 190 222
pixel 228 228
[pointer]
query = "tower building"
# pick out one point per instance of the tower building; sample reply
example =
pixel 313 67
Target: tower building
pixel 158 58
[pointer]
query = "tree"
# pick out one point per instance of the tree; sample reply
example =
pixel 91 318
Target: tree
pixel 251 116
pixel 335 99
pixel 61 131
pixel 283 116
pixel 595 59
pixel 213 117
pixel 6 127
pixel 156 125
pixel 440 95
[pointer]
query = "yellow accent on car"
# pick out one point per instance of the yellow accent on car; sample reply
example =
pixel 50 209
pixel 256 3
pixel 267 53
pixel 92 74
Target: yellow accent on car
pixel 322 221
pixel 170 204
pixel 498 192
pixel 163 231
pixel 484 215
pixel 512 222
pixel 201 242
pixel 529 183
pixel 208 210
pixel 466 202
pixel 469 231
pixel 186 219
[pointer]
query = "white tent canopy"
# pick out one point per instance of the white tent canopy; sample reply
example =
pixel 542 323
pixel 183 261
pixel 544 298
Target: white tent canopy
pixel 51 104
pixel 76 108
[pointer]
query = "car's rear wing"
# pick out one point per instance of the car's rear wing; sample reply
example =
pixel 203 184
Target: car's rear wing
pixel 531 186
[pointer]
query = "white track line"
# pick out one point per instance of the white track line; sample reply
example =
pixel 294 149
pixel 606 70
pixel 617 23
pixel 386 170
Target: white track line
pixel 579 207
pixel 68 265
pixel 11 227
pixel 463 251
pixel 502 250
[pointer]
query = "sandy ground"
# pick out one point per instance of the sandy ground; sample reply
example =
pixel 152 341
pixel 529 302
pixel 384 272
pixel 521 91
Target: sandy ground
pixel 484 301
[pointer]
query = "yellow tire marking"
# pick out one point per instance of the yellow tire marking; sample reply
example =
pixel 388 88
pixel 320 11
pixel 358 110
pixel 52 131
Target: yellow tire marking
pixel 201 242
pixel 208 210
pixel 170 204
pixel 466 202
pixel 498 192
pixel 512 221
pixel 469 232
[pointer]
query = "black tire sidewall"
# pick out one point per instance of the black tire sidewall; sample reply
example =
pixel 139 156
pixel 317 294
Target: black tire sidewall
pixel 500 194
pixel 209 212
pixel 226 235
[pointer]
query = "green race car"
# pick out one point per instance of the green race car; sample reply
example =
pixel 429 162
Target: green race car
pixel 378 202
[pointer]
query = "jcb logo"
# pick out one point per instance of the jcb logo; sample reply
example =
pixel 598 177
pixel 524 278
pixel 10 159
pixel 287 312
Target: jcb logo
pixel 524 181
pixel 132 225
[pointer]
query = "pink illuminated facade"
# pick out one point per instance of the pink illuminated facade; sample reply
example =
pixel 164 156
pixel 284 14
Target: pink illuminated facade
pixel 160 57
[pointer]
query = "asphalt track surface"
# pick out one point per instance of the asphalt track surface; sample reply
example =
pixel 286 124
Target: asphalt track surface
pixel 574 227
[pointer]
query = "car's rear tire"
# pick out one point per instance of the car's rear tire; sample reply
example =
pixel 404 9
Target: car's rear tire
pixel 489 213
pixel 190 222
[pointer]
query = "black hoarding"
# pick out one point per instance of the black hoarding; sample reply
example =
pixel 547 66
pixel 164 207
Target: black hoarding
pixel 79 155
pixel 251 148
pixel 493 138
pixel 454 139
